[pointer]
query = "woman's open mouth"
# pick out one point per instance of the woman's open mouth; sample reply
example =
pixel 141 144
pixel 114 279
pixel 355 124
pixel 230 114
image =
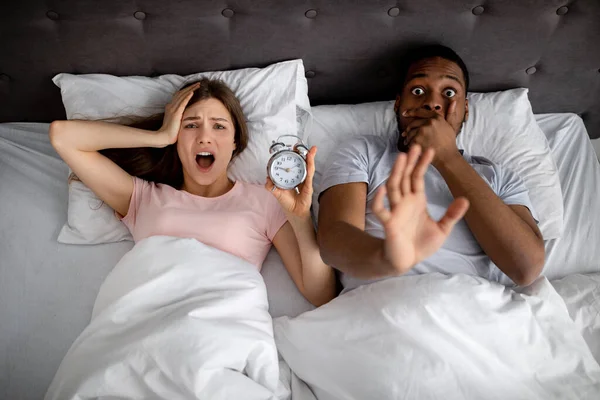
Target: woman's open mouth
pixel 205 160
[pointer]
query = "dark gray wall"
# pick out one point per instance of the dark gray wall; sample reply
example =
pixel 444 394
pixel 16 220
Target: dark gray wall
pixel 350 48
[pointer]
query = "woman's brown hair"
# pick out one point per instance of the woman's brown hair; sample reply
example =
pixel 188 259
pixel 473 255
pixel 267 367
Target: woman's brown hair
pixel 162 165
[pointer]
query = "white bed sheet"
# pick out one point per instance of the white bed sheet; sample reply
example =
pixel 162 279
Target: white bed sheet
pixel 578 249
pixel 596 144
pixel 47 289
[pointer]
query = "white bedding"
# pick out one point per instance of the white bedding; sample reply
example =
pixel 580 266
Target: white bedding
pixel 596 144
pixel 175 319
pixel 47 289
pixel 438 337
pixel 581 294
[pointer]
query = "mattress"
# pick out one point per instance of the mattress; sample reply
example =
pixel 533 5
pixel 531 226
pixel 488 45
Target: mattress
pixel 47 289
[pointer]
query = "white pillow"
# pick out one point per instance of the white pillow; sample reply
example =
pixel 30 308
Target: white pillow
pixel 501 127
pixel 90 220
pixel 596 145
pixel 274 100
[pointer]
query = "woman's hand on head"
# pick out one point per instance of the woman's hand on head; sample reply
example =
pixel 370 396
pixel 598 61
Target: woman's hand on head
pixel 294 204
pixel 174 112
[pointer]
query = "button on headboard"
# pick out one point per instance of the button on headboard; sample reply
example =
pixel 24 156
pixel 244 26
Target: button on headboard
pixel 351 49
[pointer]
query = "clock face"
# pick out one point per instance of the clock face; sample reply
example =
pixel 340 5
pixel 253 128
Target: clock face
pixel 287 170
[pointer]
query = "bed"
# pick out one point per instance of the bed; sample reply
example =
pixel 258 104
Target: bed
pixel 47 290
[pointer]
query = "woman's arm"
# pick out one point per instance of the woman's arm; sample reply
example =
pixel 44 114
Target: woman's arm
pixel 297 245
pixel 78 143
pixel 296 241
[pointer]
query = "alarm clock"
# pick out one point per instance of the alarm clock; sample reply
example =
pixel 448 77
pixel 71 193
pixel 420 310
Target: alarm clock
pixel 287 165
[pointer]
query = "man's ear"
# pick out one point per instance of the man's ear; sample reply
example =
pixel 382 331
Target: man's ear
pixel 466 109
pixel 397 104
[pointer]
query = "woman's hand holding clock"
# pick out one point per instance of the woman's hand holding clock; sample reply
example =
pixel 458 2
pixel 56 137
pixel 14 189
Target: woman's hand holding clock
pixel 296 202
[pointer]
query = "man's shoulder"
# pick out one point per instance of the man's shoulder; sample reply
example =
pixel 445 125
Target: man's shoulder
pixel 367 144
pixel 372 140
pixel 492 171
pixel 478 160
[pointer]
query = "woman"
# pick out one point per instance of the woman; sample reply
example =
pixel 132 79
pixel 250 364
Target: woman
pixel 185 190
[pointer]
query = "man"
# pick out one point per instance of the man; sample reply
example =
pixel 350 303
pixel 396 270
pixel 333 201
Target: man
pixel 367 235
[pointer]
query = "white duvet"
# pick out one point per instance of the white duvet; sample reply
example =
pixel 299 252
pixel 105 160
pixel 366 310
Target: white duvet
pixel 440 337
pixel 175 319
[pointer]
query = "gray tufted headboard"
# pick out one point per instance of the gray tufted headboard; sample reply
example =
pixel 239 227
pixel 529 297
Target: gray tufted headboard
pixel 350 47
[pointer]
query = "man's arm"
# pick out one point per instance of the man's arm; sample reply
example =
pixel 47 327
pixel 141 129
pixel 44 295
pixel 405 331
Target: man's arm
pixel 344 243
pixel 507 234
pixel 410 233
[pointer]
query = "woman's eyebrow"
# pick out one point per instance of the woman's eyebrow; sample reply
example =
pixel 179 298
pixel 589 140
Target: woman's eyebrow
pixel 212 119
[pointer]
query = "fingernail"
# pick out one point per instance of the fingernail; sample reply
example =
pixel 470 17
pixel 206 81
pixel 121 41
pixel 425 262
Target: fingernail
pixel 404 112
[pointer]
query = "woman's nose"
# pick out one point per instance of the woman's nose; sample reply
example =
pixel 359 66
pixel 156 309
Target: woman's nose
pixel 203 136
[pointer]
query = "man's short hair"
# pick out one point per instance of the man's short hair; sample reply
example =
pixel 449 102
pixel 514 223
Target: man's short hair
pixel 431 51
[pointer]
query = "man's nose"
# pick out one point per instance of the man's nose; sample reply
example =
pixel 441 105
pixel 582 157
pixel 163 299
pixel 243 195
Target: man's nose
pixel 433 103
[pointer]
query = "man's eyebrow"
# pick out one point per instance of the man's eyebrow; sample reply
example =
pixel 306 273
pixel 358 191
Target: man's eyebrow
pixel 415 76
pixel 454 78
pixel 447 76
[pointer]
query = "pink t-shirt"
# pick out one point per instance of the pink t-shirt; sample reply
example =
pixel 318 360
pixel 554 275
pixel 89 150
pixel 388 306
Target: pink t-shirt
pixel 242 222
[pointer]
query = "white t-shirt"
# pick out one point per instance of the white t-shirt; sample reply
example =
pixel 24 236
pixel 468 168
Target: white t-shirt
pixel 370 159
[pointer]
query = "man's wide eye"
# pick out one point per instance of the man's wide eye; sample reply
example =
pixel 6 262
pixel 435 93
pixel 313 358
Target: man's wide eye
pixel 417 91
pixel 449 93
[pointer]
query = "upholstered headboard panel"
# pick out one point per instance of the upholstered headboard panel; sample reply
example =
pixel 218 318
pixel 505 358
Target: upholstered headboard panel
pixel 350 47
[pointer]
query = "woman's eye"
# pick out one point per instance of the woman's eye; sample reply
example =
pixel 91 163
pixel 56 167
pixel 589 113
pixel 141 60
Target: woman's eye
pixel 189 126
pixel 417 91
pixel 449 93
pixel 219 126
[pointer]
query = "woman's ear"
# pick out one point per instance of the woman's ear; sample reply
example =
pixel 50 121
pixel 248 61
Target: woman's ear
pixel 466 109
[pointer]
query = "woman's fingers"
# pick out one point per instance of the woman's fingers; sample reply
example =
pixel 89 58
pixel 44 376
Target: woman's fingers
pixel 413 156
pixel 185 91
pixel 184 102
pixel 275 191
pixel 417 178
pixel 183 96
pixel 382 213
pixel 310 170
